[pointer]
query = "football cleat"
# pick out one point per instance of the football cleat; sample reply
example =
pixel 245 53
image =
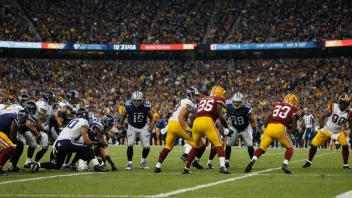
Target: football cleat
pixel 113 167
pixel 97 168
pixel 28 165
pixel 129 167
pixel 196 164
pixel 15 169
pixel 185 171
pixel 285 168
pixel 35 167
pixel 104 168
pixel 227 164
pixel 157 170
pixel 209 166
pixel 346 167
pixel 2 173
pixel 184 157
pixel 307 165
pixel 224 170
pixel 249 166
pixel 144 165
pixel 73 167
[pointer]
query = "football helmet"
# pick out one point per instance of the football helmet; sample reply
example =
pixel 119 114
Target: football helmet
pixel 192 92
pixel 72 96
pixel 30 107
pixel 82 113
pixel 24 115
pixel 23 98
pixel 344 102
pixel 108 122
pixel 137 98
pixel 49 97
pixel 92 117
pixel 291 99
pixel 237 100
pixel 217 91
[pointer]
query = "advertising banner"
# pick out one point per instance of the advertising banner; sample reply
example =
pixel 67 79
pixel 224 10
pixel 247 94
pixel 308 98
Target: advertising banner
pixel 256 46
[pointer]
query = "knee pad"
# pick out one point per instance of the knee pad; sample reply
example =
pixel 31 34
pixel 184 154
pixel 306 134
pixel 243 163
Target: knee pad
pixel 45 141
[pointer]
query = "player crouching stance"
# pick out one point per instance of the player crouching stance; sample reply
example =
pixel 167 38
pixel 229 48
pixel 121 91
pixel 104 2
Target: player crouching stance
pixel 275 128
pixel 338 115
pixel 209 109
pixel 65 143
pixel 177 124
pixel 137 111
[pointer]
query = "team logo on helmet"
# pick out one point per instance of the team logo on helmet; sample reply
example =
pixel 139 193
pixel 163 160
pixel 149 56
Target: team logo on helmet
pixel 217 91
pixel 291 99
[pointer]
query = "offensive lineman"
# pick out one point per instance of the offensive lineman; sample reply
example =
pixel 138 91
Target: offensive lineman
pixel 242 123
pixel 65 143
pixel 177 124
pixel 137 111
pixel 338 115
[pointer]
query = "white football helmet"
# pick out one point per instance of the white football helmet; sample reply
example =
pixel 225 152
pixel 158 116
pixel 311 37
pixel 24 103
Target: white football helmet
pixel 137 98
pixel 237 98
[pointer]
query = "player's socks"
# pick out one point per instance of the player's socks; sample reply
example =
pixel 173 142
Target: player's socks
pixel 345 154
pixel 129 162
pixel 5 155
pixel 200 152
pixel 129 153
pixel 95 161
pixel 158 165
pixel 221 155
pixel 210 161
pixel 188 148
pixel 30 153
pixel 250 152
pixel 40 154
pixel 286 161
pixel 288 154
pixel 212 153
pixel 222 161
pixel 312 152
pixel 191 157
pixel 145 152
pixel 108 158
pixel 28 160
pixel 228 152
pixel 163 155
pixel 259 152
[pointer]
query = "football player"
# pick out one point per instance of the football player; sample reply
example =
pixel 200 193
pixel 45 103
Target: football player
pixel 282 114
pixel 338 115
pixel 177 127
pixel 10 123
pixel 33 136
pixel 137 111
pixel 96 130
pixel 2 107
pixel 242 123
pixel 15 108
pixel 44 111
pixel 209 109
pixel 65 143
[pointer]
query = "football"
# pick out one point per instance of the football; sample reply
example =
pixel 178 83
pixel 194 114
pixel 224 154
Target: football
pixel 100 161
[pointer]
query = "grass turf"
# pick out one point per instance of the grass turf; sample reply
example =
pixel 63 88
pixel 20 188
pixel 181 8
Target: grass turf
pixel 325 178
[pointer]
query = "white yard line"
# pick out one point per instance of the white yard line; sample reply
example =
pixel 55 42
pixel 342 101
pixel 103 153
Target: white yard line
pixel 47 177
pixel 345 195
pixel 24 195
pixel 183 190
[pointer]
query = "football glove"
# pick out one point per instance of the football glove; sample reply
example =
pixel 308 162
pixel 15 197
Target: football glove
pixel 189 132
pixel 228 132
pixel 150 129
pixel 101 143
pixel 322 130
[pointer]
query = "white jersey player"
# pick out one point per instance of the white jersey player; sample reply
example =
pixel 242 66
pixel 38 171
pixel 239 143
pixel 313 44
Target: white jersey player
pixel 65 143
pixel 338 115
pixel 15 108
pixel 2 107
pixel 177 127
pixel 44 111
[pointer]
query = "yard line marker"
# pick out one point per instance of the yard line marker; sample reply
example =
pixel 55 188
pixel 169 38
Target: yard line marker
pixel 183 190
pixel 345 195
pixel 47 177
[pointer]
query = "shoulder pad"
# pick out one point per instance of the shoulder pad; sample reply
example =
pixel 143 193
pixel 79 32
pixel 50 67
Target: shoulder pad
pixel 147 103
pixel 128 103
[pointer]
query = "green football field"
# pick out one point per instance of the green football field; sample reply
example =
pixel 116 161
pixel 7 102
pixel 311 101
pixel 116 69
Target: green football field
pixel 325 178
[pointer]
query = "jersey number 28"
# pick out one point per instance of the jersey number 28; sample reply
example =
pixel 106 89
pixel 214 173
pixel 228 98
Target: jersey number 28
pixel 206 105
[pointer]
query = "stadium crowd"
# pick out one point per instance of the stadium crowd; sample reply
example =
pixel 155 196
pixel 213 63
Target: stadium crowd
pixel 180 21
pixel 108 83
